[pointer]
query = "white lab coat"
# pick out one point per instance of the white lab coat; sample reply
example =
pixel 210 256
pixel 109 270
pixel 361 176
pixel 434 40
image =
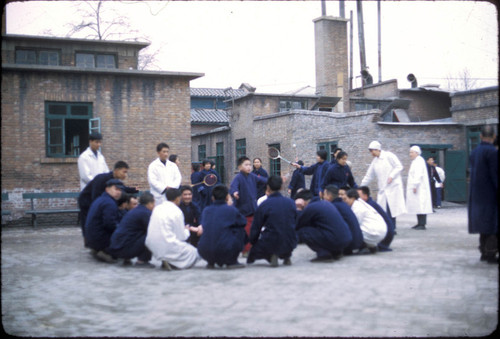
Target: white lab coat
pixel 418 177
pixel 382 167
pixel 372 224
pixel 89 166
pixel 442 176
pixel 160 176
pixel 167 235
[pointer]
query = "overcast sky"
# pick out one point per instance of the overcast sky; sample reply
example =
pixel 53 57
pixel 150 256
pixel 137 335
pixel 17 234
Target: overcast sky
pixel 270 44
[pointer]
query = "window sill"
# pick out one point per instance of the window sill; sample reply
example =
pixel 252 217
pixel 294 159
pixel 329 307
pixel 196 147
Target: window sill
pixel 45 160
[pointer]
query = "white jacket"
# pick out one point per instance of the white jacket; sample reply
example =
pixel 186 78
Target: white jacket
pixel 89 166
pixel 382 167
pixel 418 177
pixel 166 237
pixel 372 224
pixel 442 176
pixel 162 176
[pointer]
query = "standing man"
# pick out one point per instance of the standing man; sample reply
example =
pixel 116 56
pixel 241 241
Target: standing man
pixel 483 198
pixel 387 168
pixel 91 162
pixel 433 178
pixel 163 174
pixel 418 190
pixel 318 171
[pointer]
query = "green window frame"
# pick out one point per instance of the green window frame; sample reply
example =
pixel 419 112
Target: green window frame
pixel 329 147
pixel 219 161
pixel 67 127
pixel 241 149
pixel 275 164
pixel 202 152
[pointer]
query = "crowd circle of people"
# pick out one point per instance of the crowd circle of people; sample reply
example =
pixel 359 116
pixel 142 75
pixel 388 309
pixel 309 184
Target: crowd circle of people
pixel 179 225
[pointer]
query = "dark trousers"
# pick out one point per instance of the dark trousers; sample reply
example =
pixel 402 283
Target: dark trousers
pixel 390 216
pixel 316 241
pixel 422 219
pixel 136 249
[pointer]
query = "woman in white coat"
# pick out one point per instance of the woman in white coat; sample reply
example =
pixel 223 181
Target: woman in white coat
pixel 418 191
pixel 387 168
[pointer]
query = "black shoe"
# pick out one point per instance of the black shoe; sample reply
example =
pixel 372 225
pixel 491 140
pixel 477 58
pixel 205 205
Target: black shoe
pixel 103 256
pixel 210 266
pixel 373 250
pixel 337 256
pixel 419 227
pixel 127 262
pixel 287 261
pixel 235 265
pixel 273 260
pixel 325 259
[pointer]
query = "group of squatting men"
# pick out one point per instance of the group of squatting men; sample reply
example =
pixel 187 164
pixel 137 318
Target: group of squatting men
pixel 332 220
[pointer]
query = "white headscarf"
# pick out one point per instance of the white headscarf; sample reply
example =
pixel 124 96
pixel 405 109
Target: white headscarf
pixel 416 149
pixel 375 145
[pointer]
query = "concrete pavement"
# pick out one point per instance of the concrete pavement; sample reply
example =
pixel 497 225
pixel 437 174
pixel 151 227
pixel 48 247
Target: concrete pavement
pixel 431 284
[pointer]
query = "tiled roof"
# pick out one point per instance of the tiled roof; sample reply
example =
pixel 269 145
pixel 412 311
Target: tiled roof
pixel 217 92
pixel 209 116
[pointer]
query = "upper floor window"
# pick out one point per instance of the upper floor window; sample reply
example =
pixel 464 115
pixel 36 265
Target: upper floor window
pixel 329 147
pixel 37 57
pixel 288 105
pixel 95 60
pixel 241 148
pixel 202 152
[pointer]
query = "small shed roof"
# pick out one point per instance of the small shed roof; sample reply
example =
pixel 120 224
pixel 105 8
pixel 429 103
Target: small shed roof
pixel 209 116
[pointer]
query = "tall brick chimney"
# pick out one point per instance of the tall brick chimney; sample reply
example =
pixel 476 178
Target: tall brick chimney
pixel 332 59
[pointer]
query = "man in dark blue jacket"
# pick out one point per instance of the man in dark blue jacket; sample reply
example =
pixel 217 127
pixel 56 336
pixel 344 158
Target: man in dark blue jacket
pixel 273 228
pixel 318 171
pixel 331 193
pixel 321 227
pixel 339 174
pixel 483 195
pixel 383 246
pixel 244 191
pixel 297 182
pixel 128 240
pixel 224 234
pixel 102 220
pixel 191 211
pixel 96 187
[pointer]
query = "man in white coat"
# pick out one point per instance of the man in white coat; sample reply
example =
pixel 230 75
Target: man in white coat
pixel 163 174
pixel 91 162
pixel 418 190
pixel 167 234
pixel 387 168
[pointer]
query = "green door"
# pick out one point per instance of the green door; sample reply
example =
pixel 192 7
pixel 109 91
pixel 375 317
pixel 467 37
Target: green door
pixel 455 170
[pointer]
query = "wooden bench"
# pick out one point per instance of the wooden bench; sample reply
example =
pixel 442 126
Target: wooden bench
pixel 52 195
pixel 5 197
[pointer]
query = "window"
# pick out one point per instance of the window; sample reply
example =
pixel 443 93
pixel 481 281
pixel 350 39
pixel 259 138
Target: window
pixel 67 128
pixel 287 105
pixel 40 57
pixel 366 106
pixel 329 147
pixel 219 161
pixel 202 152
pixel 241 148
pixel 94 60
pixel 275 164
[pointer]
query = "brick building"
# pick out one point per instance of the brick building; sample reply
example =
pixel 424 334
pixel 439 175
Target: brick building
pixel 55 90
pixel 300 125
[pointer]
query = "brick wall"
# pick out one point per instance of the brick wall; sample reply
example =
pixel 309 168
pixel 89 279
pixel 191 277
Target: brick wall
pixel 137 112
pixel 476 107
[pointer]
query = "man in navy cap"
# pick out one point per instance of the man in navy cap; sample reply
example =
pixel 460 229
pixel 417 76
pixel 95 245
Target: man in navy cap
pixel 91 162
pixel 102 220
